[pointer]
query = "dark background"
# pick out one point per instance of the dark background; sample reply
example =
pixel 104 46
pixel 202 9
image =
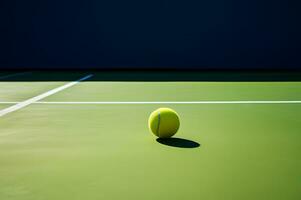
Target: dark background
pixel 236 34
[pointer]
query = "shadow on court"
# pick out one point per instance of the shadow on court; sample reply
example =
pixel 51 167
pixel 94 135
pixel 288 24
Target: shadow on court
pixel 178 142
pixel 154 75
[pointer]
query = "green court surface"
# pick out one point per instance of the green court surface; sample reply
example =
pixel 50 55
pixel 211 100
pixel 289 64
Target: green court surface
pixel 73 146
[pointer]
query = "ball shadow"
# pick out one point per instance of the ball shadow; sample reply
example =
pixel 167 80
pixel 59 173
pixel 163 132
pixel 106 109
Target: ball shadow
pixel 178 142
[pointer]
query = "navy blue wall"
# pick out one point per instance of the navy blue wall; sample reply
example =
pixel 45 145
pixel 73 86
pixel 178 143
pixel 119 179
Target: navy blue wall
pixel 150 33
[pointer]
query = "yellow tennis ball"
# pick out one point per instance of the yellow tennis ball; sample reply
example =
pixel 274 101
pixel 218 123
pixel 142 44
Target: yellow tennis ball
pixel 164 122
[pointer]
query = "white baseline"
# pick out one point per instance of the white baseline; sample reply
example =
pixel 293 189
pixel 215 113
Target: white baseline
pixel 41 96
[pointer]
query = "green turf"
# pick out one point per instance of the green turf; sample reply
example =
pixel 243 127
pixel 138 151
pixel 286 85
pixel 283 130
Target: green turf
pixel 106 151
pixel 180 91
pixel 20 91
pixel 22 87
pixel 2 106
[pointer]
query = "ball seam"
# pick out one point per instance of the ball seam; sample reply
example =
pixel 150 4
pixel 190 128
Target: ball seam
pixel 159 119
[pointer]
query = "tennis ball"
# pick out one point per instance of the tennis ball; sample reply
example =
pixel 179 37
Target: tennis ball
pixel 164 122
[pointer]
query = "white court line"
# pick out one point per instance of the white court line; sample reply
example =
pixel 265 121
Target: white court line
pixel 40 97
pixel 13 75
pixel 170 102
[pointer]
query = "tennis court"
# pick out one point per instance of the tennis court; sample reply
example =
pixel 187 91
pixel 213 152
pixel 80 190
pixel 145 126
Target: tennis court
pixel 84 135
